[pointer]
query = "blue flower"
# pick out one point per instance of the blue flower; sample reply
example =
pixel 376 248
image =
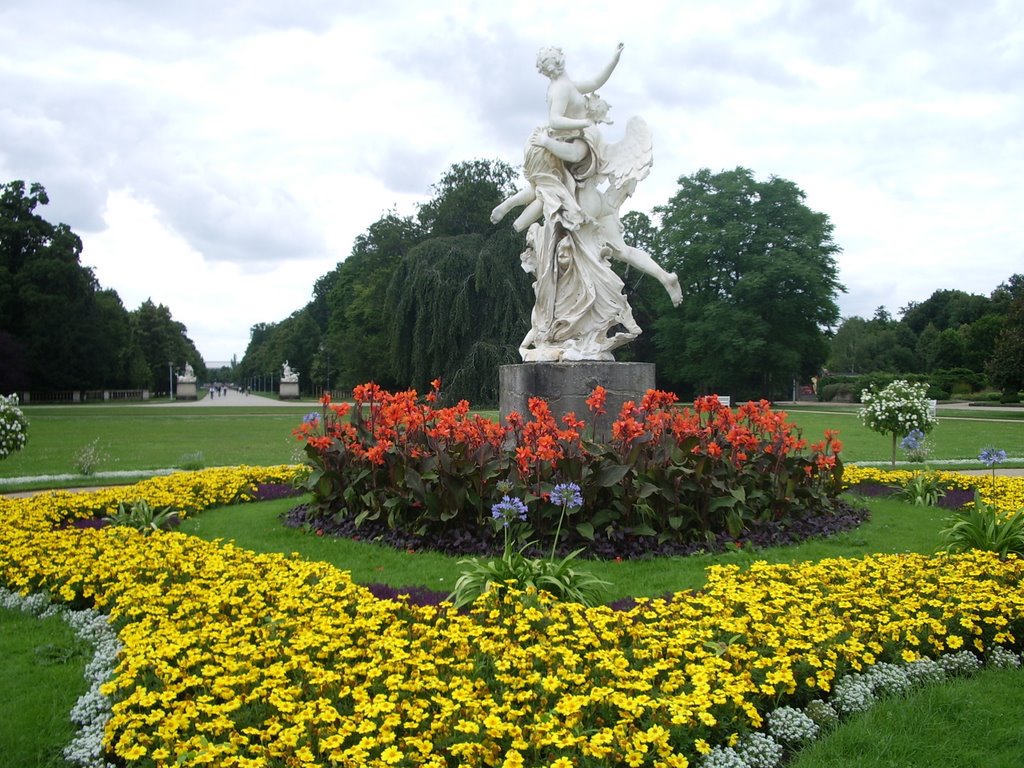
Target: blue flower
pixel 567 495
pixel 992 456
pixel 311 418
pixel 509 508
pixel 913 440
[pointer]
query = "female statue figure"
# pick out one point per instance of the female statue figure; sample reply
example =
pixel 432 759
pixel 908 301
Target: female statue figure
pixel 578 183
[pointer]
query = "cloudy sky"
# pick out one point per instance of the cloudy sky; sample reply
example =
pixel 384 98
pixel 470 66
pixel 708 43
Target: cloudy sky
pixel 219 157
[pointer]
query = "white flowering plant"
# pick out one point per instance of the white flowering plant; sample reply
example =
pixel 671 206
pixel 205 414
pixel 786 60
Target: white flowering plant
pixel 13 426
pixel 897 410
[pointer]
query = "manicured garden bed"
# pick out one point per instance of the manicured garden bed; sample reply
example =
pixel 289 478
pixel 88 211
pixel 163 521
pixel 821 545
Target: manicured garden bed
pixel 237 658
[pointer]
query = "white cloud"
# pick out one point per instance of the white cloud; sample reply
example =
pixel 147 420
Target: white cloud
pixel 220 158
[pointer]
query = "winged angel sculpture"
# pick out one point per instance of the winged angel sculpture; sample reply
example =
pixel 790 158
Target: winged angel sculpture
pixel 577 184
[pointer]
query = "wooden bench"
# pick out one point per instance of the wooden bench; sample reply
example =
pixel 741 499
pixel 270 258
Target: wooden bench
pixel 725 400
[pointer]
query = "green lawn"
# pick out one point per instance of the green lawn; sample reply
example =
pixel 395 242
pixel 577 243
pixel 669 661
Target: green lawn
pixel 959 435
pixel 148 437
pixel 894 527
pixel 43 667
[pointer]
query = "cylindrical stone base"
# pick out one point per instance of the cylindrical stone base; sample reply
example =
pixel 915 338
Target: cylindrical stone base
pixel 566 387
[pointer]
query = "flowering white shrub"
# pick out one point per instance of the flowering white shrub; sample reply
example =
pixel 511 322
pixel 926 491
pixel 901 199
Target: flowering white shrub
pixel 853 694
pixel 791 726
pixel 897 410
pixel 723 757
pixel 960 663
pixel 1001 658
pixel 822 713
pixel 925 671
pixel 759 750
pixel 888 679
pixel 13 426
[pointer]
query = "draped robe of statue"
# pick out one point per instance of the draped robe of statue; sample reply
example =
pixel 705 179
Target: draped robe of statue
pixel 581 312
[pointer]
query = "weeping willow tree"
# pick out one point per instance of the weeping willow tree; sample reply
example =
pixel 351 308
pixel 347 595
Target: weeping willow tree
pixel 459 307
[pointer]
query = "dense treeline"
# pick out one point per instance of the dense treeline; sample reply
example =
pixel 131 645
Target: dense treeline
pixel 442 294
pixel 59 329
pixel 962 342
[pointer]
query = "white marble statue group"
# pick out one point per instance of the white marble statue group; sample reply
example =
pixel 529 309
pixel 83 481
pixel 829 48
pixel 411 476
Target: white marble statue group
pixel 288 374
pixel 577 183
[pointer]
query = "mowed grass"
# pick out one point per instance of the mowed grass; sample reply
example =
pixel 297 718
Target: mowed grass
pixel 959 435
pixel 43 668
pixel 894 527
pixel 961 723
pixel 141 437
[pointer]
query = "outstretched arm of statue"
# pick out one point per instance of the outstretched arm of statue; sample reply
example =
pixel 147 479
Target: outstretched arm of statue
pixel 589 86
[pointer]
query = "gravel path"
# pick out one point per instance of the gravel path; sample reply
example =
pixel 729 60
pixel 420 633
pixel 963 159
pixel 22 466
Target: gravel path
pixel 235 398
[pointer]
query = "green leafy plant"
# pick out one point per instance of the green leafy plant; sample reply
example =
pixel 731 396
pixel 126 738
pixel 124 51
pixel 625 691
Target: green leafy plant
pixel 13 426
pixel 923 490
pixel 513 569
pixel 191 461
pixel 142 517
pixel 90 456
pixel 981 526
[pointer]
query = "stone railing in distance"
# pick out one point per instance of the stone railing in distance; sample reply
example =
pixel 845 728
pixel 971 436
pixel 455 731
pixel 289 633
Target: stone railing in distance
pixel 71 396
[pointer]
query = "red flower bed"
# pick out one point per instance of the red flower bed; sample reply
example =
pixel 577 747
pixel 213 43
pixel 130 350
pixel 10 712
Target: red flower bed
pixel 670 472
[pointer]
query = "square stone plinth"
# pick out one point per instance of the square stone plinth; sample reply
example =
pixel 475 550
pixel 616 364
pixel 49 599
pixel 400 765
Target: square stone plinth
pixel 566 387
pixel 186 390
pixel 289 390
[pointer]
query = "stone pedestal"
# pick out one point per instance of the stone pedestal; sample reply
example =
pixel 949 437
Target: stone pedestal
pixel 289 390
pixel 566 387
pixel 186 390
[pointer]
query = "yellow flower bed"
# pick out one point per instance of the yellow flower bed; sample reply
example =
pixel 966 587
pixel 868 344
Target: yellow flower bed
pixel 187 492
pixel 1005 493
pixel 238 659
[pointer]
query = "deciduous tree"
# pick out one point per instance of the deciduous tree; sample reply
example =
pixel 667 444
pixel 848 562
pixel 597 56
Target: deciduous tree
pixel 759 279
pixel 1006 366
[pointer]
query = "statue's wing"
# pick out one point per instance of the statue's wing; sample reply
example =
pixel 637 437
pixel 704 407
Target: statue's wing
pixel 631 158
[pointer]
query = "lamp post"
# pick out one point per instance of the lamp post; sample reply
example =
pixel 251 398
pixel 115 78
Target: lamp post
pixel 170 380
